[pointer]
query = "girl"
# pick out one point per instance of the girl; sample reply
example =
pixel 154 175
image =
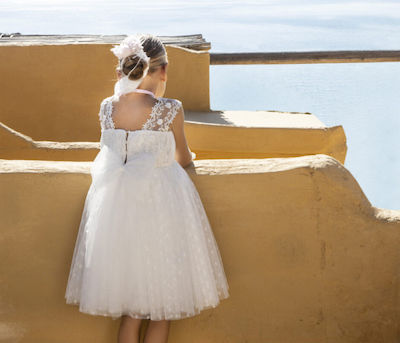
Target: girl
pixel 145 248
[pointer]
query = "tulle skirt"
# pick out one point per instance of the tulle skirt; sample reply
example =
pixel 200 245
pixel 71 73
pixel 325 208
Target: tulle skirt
pixel 145 247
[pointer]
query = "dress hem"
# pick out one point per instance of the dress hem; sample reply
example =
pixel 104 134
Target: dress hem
pixel 117 315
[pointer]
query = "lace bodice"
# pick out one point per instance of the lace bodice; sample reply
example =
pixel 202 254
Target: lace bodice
pixel 154 142
pixel 160 118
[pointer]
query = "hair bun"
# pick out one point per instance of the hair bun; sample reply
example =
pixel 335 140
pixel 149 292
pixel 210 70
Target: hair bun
pixel 136 62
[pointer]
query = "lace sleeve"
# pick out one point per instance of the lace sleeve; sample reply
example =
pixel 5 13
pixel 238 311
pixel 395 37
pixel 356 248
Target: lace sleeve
pixel 105 114
pixel 162 115
pixel 174 107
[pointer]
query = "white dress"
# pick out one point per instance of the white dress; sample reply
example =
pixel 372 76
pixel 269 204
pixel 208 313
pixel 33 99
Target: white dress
pixel 144 247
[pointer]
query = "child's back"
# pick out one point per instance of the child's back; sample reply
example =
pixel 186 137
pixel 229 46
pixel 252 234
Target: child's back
pixel 145 247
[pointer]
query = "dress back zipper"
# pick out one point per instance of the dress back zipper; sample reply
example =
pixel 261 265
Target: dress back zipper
pixel 126 146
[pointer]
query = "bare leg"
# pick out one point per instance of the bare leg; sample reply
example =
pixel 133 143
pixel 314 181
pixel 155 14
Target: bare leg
pixel 129 330
pixel 157 331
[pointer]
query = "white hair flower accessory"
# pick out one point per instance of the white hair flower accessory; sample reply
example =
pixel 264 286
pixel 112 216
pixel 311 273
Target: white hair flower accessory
pixel 131 45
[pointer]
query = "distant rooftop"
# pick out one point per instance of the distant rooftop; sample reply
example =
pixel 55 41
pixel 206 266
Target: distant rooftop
pixel 194 42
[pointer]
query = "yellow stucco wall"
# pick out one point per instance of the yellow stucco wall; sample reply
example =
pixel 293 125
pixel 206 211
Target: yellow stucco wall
pixel 219 141
pixel 53 92
pixel 207 141
pixel 51 95
pixel 307 258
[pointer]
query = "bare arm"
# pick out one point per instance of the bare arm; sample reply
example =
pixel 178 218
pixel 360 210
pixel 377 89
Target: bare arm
pixel 183 154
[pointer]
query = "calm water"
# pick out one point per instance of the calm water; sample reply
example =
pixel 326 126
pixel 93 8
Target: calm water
pixel 363 97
